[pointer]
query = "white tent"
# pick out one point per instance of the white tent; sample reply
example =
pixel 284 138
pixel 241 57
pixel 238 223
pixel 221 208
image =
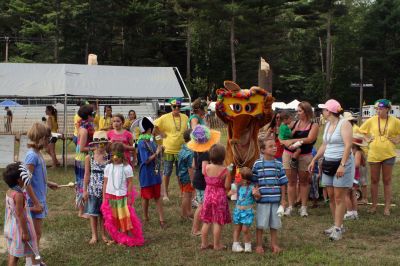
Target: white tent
pixel 293 104
pixel 66 79
pixel 279 105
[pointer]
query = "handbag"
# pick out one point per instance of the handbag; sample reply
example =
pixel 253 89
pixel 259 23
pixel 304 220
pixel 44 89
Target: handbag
pixel 330 167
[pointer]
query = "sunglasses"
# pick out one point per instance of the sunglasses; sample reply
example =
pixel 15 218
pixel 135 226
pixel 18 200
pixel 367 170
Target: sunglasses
pixel 99 139
pixel 175 106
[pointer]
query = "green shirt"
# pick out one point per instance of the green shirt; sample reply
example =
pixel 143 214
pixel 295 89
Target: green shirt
pixel 284 132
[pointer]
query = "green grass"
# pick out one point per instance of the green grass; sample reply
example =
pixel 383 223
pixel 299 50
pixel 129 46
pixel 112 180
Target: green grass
pixel 372 240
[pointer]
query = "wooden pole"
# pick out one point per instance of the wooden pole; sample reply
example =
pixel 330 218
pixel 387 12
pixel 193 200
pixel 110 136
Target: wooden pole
pixel 361 90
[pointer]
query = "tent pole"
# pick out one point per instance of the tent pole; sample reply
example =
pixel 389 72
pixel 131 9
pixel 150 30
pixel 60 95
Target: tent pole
pixel 65 153
pixel 184 85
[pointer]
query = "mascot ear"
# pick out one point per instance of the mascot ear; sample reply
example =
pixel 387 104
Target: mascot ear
pixel 220 91
pixel 232 86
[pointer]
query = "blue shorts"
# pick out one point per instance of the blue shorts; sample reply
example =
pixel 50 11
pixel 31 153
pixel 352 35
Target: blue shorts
pixel 92 206
pixel 267 217
pixel 168 166
pixel 243 217
pixel 39 215
pixel 200 196
pixel 346 181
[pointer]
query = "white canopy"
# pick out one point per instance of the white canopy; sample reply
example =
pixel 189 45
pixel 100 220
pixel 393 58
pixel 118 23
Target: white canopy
pixel 279 105
pixel 293 104
pixel 61 79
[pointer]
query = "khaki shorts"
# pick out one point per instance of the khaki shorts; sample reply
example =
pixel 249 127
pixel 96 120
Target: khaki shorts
pixel 303 161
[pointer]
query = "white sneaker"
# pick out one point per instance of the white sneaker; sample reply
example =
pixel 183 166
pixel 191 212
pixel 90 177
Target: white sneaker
pixel 303 211
pixel 236 247
pixel 247 247
pixel 165 198
pixel 288 211
pixel 330 230
pixel 336 234
pixel 350 216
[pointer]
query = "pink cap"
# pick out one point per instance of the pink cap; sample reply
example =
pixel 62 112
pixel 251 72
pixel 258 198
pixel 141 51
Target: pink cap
pixel 332 106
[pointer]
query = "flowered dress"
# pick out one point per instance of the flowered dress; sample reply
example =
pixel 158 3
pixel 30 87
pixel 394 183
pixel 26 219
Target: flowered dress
pixel 80 162
pixel 12 232
pixel 243 212
pixel 215 206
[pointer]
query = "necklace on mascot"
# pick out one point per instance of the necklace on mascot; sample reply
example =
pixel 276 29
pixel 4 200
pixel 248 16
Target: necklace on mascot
pixel 178 129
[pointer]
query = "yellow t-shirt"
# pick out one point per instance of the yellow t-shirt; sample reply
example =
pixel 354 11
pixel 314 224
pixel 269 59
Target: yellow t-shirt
pixel 173 128
pixel 54 124
pixel 127 124
pixel 104 123
pixel 381 148
pixel 77 120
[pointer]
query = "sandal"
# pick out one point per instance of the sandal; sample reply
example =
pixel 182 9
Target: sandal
pixel 209 246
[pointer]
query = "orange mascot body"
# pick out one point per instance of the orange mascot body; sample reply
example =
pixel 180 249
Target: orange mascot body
pixel 245 112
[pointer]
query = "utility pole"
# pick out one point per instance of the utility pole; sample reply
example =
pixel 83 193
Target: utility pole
pixel 7 39
pixel 361 90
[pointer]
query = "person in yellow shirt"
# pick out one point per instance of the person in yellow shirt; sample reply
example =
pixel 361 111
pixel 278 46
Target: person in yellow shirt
pixel 171 127
pixel 52 123
pixel 384 131
pixel 131 118
pixel 104 122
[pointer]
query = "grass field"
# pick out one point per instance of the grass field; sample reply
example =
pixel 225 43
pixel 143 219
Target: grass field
pixel 372 240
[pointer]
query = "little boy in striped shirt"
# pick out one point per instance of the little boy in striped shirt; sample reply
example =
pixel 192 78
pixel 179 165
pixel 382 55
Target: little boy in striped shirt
pixel 270 178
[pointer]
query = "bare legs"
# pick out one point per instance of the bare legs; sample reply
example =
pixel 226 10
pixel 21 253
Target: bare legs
pixel 186 208
pixel 196 221
pixel 159 207
pixel 387 185
pixel 51 150
pixel 217 229
pixel 93 227
pixel 274 241
pixel 304 186
pixel 337 204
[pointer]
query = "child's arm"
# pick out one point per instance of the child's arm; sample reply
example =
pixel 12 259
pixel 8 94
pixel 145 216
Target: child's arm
pixel 130 184
pixel 19 214
pixel 86 177
pixel 227 181
pixel 104 187
pixel 256 192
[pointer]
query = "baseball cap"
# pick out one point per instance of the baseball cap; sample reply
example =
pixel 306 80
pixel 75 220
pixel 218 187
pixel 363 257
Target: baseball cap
pixel 332 106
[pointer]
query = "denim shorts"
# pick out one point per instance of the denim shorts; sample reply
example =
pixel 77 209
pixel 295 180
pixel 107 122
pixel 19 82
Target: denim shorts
pixel 342 182
pixel 200 196
pixel 267 217
pixel 39 215
pixel 168 166
pixel 92 206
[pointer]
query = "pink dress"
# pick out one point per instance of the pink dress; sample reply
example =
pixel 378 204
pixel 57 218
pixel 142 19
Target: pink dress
pixel 215 206
pixel 124 138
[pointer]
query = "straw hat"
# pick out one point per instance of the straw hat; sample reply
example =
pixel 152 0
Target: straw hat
pixel 202 138
pixel 348 116
pixel 99 137
pixel 359 140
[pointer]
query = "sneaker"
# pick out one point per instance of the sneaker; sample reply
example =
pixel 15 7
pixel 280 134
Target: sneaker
pixel 195 204
pixel 288 211
pixel 236 247
pixel 336 234
pixel 303 211
pixel 165 198
pixel 330 230
pixel 350 216
pixel 247 247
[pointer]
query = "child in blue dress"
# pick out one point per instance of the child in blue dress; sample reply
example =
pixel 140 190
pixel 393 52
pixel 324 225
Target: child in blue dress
pixel 243 214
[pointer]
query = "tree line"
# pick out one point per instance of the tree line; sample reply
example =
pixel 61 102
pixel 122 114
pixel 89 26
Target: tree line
pixel 312 46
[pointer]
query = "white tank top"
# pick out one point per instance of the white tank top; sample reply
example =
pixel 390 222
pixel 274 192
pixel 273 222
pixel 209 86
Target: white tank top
pixel 334 142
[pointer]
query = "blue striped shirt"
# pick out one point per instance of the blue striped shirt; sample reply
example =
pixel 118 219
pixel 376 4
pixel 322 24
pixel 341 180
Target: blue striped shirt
pixel 270 176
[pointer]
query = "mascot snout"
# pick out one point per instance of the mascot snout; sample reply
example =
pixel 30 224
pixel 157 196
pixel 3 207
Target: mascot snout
pixel 241 126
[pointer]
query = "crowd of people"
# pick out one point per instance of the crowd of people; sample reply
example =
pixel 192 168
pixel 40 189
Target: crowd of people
pixel 287 174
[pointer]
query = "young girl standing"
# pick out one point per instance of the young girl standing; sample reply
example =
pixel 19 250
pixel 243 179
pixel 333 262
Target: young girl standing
pixel 39 136
pixel 120 219
pixel 18 225
pixel 52 123
pixel 243 214
pixel 95 163
pixel 149 172
pixel 118 134
pixel 215 209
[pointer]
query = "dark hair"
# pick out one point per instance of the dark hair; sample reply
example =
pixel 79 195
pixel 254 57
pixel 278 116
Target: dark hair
pixel 246 173
pixel 132 111
pixel 118 147
pixel 12 174
pixel 217 154
pixel 105 107
pixel 85 111
pixel 120 116
pixel 52 110
pixel 186 135
pixel 307 108
pixel 273 121
pixel 285 115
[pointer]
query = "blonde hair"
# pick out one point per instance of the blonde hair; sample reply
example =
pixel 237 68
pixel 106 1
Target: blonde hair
pixel 38 135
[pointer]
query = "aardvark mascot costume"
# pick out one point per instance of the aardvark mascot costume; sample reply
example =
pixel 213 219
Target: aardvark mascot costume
pixel 245 111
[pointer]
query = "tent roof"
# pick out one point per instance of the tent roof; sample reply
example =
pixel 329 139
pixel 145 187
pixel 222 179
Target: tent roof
pixel 85 80
pixel 9 103
pixel 293 104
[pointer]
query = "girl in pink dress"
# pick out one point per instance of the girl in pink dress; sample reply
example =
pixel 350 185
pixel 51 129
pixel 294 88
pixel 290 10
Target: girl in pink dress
pixel 119 134
pixel 215 209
